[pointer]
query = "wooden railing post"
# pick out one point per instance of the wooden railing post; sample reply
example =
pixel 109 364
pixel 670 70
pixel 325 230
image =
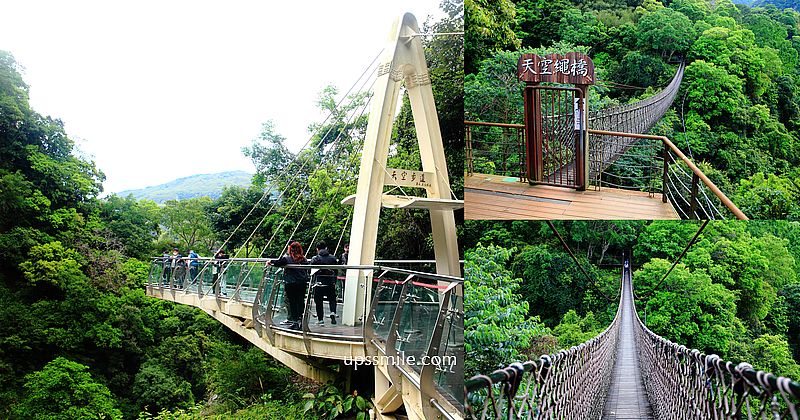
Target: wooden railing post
pixel 693 196
pixel 665 176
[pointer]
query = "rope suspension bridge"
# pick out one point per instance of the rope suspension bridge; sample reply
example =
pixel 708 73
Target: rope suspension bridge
pixel 629 372
pixel 395 325
pixel 604 155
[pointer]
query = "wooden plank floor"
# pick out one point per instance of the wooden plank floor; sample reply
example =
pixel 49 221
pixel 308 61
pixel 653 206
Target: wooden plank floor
pixel 496 197
pixel 627 398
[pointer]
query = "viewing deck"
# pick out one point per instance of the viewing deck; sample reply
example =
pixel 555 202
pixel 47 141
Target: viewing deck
pixel 498 197
pixel 411 331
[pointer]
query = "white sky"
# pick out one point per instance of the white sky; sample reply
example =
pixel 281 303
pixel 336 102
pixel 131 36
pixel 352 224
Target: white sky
pixel 158 90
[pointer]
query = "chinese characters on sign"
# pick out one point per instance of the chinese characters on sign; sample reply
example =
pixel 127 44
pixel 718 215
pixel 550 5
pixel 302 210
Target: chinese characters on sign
pixel 408 178
pixel 572 68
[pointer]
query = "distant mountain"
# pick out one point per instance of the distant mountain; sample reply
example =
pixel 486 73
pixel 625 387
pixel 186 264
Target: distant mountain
pixel 780 4
pixel 210 185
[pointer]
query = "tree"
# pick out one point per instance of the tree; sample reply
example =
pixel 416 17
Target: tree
pixel 269 154
pixel 666 31
pixel 134 224
pixel 688 308
pixel 65 390
pixel 489 26
pixel 497 328
pixel 712 91
pixel 186 222
pixel 769 197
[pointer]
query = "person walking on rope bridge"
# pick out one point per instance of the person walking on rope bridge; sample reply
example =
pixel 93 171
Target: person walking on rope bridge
pixel 295 282
pixel 216 270
pixel 324 283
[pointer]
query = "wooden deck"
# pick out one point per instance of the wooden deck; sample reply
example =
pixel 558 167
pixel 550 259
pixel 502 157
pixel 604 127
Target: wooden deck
pixel 496 197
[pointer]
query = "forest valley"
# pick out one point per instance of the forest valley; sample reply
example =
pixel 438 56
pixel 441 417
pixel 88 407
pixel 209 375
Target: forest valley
pixel 737 113
pixel 736 292
pixel 78 336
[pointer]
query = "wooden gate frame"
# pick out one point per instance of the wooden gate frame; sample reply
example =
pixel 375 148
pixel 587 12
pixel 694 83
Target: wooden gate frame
pixel 570 68
pixel 534 137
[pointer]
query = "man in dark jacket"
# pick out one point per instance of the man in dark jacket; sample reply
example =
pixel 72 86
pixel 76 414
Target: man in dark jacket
pixel 324 283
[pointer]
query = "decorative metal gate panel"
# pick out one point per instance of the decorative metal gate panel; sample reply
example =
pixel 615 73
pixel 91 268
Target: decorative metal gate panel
pixel 555 127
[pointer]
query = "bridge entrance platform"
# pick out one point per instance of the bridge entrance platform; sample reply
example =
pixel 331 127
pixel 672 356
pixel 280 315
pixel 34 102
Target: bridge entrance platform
pixel 498 197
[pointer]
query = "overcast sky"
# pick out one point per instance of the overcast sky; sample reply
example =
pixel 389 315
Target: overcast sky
pixel 157 90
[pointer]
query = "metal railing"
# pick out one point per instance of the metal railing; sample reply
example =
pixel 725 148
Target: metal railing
pixel 416 317
pixel 494 148
pixel 654 164
pixel 641 116
pixel 683 383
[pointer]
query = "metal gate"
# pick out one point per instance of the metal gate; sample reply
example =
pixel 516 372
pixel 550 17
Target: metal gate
pixel 555 132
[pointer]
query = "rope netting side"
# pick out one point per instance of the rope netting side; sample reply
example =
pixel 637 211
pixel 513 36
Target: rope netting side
pixel 570 384
pixel 684 383
pixel 638 118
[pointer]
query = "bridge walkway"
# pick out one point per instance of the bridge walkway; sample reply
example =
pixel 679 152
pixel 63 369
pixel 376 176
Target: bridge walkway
pixel 411 332
pixel 627 398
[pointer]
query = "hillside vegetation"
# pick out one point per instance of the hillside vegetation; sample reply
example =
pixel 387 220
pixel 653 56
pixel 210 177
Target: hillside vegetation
pixel 202 185
pixel 737 112
pixel 736 293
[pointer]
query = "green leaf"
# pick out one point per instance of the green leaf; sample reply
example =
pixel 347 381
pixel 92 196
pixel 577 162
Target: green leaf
pixel 307 406
pixel 361 403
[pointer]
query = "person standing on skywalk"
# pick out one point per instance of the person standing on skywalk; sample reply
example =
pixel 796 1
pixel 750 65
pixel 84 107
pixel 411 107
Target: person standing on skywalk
pixel 324 283
pixel 295 282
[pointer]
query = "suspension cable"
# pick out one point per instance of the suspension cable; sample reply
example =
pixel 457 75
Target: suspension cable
pixel 685 250
pixel 272 184
pixel 564 243
pixel 297 173
pixel 338 148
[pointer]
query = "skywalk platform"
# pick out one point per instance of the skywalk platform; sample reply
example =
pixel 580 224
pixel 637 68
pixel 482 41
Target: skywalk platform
pixel 497 197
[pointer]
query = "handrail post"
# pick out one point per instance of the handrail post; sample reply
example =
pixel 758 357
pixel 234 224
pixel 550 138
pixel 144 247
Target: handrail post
pixel 368 330
pixel 533 140
pixel 521 151
pixel 693 197
pixel 665 176
pixel 506 141
pixel 468 134
pixel 304 319
pixel 268 313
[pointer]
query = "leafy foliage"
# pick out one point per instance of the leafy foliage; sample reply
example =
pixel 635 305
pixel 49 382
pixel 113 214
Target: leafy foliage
pixel 65 390
pixel 497 327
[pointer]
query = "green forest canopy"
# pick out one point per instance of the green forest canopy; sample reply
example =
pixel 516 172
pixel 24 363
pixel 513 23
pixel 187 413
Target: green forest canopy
pixel 738 108
pixel 736 293
pixel 80 339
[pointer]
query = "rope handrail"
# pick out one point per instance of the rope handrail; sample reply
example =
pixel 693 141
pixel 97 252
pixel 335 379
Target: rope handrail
pixel 680 383
pixel 570 384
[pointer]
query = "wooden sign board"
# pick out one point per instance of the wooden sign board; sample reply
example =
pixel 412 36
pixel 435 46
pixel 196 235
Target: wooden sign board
pixel 408 178
pixel 571 68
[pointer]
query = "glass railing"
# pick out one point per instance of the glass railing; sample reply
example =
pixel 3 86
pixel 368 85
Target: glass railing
pixel 415 317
